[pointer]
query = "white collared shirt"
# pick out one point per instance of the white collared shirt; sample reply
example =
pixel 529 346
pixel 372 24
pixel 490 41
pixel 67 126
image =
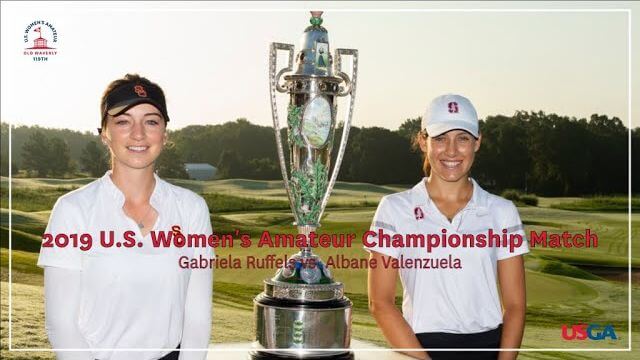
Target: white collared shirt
pixel 131 297
pixel 464 300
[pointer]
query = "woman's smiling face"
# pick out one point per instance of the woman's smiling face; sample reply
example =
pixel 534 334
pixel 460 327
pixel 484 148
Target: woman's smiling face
pixel 451 154
pixel 135 137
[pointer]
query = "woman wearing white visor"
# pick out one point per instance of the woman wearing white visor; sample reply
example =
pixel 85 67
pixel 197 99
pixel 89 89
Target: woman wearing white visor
pixel 480 303
pixel 127 293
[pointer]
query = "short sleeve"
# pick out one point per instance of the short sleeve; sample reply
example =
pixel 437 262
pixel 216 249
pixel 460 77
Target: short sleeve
pixel 65 220
pixel 511 221
pixel 383 220
pixel 201 225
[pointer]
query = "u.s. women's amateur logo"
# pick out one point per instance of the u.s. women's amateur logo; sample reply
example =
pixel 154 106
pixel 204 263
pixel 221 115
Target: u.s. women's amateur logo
pixel 41 40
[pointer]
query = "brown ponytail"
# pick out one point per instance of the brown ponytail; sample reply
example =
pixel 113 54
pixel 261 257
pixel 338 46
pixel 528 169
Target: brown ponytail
pixel 415 146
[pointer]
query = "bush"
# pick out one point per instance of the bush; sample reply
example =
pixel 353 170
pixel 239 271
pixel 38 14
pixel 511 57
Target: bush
pixel 529 199
pixel 511 194
pixel 519 198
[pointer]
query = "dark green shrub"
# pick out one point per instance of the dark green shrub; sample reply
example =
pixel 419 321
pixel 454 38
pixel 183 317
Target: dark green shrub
pixel 529 199
pixel 511 194
pixel 519 198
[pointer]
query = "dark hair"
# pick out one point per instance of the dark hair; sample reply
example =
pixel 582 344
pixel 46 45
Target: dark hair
pixel 115 84
pixel 415 146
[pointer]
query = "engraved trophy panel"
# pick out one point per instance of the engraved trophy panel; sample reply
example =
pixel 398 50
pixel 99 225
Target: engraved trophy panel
pixel 303 307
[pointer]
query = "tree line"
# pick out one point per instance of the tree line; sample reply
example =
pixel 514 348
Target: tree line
pixel 534 152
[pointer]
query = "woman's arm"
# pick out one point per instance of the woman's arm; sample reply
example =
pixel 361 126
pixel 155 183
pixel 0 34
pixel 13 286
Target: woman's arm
pixel 196 329
pixel 382 294
pixel 513 290
pixel 197 317
pixel 62 303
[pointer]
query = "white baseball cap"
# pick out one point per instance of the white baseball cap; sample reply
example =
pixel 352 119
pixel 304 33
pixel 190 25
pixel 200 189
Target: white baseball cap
pixel 450 112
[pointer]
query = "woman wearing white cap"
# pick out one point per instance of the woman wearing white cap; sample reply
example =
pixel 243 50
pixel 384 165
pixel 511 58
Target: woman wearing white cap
pixel 124 292
pixel 457 302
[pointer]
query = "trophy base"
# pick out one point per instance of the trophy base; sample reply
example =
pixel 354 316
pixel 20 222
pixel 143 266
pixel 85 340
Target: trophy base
pixel 300 326
pixel 258 355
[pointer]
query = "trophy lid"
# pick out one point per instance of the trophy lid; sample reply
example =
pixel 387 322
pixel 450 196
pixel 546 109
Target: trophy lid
pixel 314 57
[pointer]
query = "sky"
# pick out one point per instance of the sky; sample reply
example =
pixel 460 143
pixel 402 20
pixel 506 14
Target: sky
pixel 568 58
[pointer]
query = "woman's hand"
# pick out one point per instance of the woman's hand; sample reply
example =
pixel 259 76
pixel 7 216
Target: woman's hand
pixel 382 295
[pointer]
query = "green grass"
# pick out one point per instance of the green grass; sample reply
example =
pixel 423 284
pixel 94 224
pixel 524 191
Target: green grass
pixel 35 199
pixel 601 204
pixel 354 194
pixel 41 194
pixel 27 229
pixel 43 182
pixel 219 203
pixel 20 240
pixel 611 229
pixel 554 267
pixel 548 201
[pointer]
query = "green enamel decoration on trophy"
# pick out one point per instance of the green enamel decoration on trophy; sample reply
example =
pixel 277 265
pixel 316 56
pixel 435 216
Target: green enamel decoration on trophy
pixel 308 189
pixel 294 118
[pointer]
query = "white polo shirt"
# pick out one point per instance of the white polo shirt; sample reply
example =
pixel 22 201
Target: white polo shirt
pixel 131 297
pixel 464 300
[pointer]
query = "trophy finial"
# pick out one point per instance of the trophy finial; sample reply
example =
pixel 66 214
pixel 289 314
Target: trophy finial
pixel 316 18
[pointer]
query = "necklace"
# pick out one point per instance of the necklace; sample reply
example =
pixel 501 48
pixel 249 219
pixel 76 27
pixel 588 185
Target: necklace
pixel 139 223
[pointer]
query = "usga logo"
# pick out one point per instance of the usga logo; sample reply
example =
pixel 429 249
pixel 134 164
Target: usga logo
pixel 41 40
pixel 590 331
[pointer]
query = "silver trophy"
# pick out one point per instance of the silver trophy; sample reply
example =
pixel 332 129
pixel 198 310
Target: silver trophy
pixel 302 307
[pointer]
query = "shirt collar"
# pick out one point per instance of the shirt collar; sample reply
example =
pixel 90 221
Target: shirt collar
pixel 478 199
pixel 420 195
pixel 159 190
pixel 477 202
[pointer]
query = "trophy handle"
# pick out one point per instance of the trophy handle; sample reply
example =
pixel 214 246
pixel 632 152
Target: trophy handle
pixel 338 69
pixel 350 89
pixel 274 86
